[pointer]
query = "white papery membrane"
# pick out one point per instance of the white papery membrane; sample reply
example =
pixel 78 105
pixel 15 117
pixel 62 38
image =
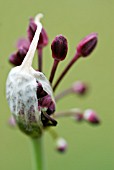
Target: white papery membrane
pixel 21 90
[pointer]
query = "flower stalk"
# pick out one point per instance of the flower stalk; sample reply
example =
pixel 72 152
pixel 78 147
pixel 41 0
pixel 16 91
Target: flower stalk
pixel 59 49
pixel 54 68
pixel 37 154
pixel 63 94
pixel 40 59
pixel 75 58
pixel 72 112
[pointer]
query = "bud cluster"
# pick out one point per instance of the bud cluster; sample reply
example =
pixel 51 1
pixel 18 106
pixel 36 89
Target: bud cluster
pixel 29 93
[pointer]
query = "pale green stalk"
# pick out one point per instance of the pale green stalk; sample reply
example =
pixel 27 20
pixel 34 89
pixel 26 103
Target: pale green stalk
pixel 37 154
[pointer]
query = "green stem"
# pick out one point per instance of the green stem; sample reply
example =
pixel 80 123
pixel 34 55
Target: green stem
pixel 37 155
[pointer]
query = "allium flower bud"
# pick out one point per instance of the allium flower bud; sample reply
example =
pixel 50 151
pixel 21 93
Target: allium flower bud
pixel 43 39
pixel 87 45
pixel 12 121
pixel 61 145
pixel 48 104
pixel 79 87
pixel 78 117
pixel 91 116
pixel 22 91
pixel 59 48
pixel 18 57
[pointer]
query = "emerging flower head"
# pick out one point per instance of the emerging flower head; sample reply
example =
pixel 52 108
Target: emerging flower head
pixel 22 92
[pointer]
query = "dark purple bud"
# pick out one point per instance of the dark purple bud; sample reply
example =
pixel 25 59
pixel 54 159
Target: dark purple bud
pixel 91 116
pixel 48 103
pixel 40 92
pixel 79 88
pixel 51 108
pixel 61 145
pixel 59 47
pixel 78 117
pixel 17 58
pixel 87 45
pixel 43 39
pixel 23 44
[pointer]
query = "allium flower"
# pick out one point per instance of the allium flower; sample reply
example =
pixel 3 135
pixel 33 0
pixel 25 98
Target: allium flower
pixel 22 86
pixel 29 93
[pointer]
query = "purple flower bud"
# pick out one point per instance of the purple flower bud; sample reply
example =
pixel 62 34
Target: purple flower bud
pixel 23 44
pixel 43 39
pixel 18 57
pixel 47 103
pixel 91 116
pixel 87 45
pixel 79 87
pixel 12 121
pixel 59 48
pixel 78 117
pixel 61 145
pixel 40 92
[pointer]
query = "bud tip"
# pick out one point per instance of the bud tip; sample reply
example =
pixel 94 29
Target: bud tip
pixel 87 45
pixel 91 116
pixel 61 145
pixel 79 87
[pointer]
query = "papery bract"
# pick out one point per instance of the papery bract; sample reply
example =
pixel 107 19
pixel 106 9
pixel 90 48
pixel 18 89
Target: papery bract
pixel 22 88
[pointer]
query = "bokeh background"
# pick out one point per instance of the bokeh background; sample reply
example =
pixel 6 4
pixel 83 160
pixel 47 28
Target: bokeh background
pixel 89 147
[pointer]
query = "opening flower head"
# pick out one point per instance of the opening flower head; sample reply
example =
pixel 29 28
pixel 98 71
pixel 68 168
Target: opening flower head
pixel 30 94
pixel 28 106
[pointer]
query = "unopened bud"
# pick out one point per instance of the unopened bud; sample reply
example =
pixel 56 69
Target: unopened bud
pixel 87 45
pixel 12 121
pixel 46 103
pixel 79 87
pixel 40 91
pixel 78 117
pixel 61 145
pixel 91 116
pixel 59 48
pixel 43 39
pixel 18 57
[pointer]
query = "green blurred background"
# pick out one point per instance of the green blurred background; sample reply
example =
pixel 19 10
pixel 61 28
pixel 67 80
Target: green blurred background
pixel 89 147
